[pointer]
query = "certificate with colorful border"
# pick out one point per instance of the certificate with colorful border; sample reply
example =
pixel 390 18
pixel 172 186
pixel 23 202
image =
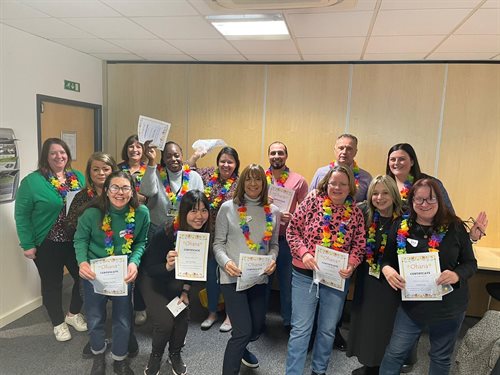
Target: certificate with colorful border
pixel 420 272
pixel 192 256
pixel 330 262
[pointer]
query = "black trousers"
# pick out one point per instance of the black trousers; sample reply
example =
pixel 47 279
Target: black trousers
pixel 247 310
pixel 166 328
pixel 51 257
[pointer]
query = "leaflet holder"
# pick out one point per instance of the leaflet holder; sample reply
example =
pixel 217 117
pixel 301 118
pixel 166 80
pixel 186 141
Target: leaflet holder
pixel 9 165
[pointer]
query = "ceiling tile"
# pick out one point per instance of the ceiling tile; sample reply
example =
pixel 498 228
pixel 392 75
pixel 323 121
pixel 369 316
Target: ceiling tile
pixel 418 22
pixel 429 4
pixel 47 28
pixel 484 21
pixel 73 8
pixel 141 46
pixel 293 57
pixel 201 46
pixel 321 46
pixel 90 45
pixel 329 24
pixel 277 47
pixel 331 57
pixel 219 57
pixel 110 28
pixel 393 56
pixel 461 56
pixel 179 27
pixel 165 57
pixel 345 6
pixel 155 8
pixel 403 44
pixel 15 9
pixel 117 56
pixel 471 43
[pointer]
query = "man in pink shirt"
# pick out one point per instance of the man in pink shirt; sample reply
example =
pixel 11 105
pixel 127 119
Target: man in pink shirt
pixel 281 176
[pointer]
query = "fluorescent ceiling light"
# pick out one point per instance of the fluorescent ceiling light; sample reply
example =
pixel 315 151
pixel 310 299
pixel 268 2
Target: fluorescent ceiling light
pixel 251 26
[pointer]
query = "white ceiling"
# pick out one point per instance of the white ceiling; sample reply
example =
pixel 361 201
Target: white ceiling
pixel 176 30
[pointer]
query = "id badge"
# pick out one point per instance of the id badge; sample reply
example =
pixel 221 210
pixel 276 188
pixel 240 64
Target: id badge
pixel 172 212
pixel 374 273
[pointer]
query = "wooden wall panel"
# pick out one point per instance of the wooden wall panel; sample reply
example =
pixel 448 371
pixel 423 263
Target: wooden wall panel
pixel 306 109
pixel 226 101
pixel 470 149
pixel 393 104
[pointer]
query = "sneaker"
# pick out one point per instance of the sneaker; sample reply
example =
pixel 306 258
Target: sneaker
pixel 140 317
pixel 226 326
pixel 154 364
pixel 62 332
pixel 249 359
pixel 207 324
pixel 178 365
pixel 122 368
pixel 77 321
pixel 99 365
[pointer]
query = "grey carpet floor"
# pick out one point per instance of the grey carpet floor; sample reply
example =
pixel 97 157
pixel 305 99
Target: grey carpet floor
pixel 27 346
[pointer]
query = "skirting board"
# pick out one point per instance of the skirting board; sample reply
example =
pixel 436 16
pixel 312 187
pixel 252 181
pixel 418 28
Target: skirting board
pixel 20 311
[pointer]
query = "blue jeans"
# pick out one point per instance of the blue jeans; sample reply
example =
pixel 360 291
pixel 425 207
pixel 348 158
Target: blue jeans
pixel 284 271
pixel 213 287
pixel 305 297
pixel 442 336
pixel 95 307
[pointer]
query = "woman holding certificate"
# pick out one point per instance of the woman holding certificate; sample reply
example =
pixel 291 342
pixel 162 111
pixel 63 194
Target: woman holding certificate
pixel 110 239
pixel 429 257
pixel 375 303
pixel 220 184
pixel 160 287
pixel 327 241
pixel 246 247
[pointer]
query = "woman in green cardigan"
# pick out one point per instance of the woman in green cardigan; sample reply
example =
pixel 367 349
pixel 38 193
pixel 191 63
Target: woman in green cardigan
pixel 40 213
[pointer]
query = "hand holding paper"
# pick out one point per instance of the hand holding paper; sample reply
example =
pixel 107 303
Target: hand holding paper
pixel 152 129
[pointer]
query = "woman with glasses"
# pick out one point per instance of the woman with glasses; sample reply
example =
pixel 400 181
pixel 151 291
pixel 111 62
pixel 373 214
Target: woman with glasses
pixel 113 224
pixel 328 217
pixel 429 226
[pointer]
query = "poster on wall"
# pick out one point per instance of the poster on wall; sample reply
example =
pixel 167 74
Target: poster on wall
pixel 70 138
pixel 9 165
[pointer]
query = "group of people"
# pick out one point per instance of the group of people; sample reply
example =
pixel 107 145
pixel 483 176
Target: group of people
pixel 137 207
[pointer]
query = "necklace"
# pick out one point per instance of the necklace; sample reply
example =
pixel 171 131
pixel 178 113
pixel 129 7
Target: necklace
pixel 355 170
pixel 424 231
pixel 371 242
pixel 327 218
pixel 268 232
pixel 137 176
pixel 404 231
pixel 280 181
pixel 216 201
pixel 406 187
pixel 129 232
pixel 72 183
pixel 174 198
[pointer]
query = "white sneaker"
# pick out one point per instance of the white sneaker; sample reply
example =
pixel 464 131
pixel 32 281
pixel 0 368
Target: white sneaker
pixel 77 321
pixel 140 317
pixel 62 332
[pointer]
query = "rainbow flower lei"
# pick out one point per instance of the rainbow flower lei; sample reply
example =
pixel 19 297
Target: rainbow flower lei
pixel 129 233
pixel 370 244
pixel 404 232
pixel 174 198
pixel 327 218
pixel 268 232
pixel 91 193
pixel 138 176
pixel 280 181
pixel 406 187
pixel 216 201
pixel 71 184
pixel 355 170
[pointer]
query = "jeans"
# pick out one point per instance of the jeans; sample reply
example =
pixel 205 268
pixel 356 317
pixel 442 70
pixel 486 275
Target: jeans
pixel 95 307
pixel 442 335
pixel 305 298
pixel 213 287
pixel 284 271
pixel 247 310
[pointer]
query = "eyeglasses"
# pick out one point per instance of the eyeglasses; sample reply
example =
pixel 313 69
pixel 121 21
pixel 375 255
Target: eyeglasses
pixel 115 189
pixel 419 201
pixel 470 222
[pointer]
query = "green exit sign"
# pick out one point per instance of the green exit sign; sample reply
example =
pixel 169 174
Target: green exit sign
pixel 72 86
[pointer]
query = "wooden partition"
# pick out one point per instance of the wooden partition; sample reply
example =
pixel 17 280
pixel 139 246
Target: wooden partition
pixel 449 113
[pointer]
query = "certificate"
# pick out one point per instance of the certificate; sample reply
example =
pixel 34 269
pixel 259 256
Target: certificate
pixel 252 268
pixel 330 262
pixel 175 307
pixel 282 197
pixel 192 255
pixel 110 273
pixel 150 129
pixel 420 272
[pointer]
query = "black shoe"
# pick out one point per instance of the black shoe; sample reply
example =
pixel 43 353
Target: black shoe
pixel 87 352
pixel 359 371
pixel 133 346
pixel 249 359
pixel 339 342
pixel 178 365
pixel 99 365
pixel 154 364
pixel 406 368
pixel 317 373
pixel 122 367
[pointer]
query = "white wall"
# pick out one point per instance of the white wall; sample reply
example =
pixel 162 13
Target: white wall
pixel 30 65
